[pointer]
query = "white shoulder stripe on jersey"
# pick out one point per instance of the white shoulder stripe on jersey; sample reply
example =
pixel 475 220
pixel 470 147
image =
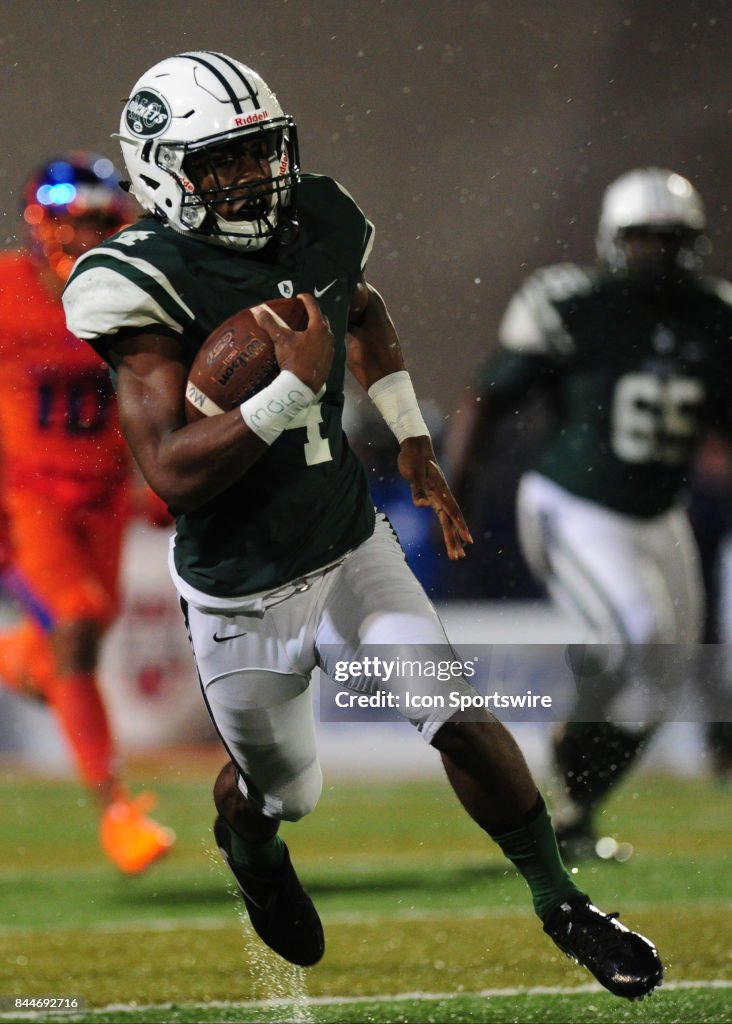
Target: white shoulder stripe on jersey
pixel 101 302
pixel 341 189
pixel 531 323
pixel 562 281
pixel 371 234
pixel 142 265
pixel 719 287
pixel 370 229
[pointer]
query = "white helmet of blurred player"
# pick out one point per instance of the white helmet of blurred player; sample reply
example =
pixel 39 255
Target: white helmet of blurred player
pixel 192 115
pixel 654 200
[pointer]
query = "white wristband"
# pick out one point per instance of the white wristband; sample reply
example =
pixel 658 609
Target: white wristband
pixel 271 410
pixel 395 399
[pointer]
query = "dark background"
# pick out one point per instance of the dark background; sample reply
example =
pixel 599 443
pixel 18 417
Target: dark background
pixel 478 136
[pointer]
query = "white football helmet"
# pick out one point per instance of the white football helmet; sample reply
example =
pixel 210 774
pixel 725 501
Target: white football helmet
pixel 654 199
pixel 198 103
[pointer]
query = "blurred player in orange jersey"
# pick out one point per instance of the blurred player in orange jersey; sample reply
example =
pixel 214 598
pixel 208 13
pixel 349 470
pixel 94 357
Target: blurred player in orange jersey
pixel 67 490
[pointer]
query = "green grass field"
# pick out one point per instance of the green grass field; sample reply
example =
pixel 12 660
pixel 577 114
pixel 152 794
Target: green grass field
pixel 424 921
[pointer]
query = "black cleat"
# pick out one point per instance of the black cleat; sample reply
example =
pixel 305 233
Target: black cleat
pixel 280 910
pixel 626 963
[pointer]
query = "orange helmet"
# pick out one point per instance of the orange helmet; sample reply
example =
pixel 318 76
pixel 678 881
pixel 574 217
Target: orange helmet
pixel 71 202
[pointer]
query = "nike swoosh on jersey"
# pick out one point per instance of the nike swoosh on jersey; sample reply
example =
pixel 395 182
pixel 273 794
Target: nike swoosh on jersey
pixel 317 292
pixel 221 639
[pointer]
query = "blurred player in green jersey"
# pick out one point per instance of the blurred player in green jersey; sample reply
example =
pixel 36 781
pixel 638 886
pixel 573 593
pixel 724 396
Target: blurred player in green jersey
pixel 635 357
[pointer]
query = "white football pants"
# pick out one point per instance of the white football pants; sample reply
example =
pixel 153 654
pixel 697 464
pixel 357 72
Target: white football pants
pixel 255 664
pixel 634 583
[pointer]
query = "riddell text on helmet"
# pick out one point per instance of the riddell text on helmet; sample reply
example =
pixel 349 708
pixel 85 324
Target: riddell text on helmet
pixel 242 121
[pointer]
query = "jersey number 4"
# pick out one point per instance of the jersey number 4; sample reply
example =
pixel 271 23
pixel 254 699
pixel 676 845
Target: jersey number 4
pixel 655 419
pixel 317 448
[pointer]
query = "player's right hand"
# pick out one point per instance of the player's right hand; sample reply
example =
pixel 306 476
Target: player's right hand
pixel 418 465
pixel 309 353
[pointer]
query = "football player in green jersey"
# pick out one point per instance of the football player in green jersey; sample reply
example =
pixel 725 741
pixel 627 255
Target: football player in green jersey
pixel 281 563
pixel 635 355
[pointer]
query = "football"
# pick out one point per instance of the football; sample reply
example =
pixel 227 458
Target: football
pixel 237 360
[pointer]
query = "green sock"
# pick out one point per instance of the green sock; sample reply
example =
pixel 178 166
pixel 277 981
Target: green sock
pixel 532 849
pixel 264 858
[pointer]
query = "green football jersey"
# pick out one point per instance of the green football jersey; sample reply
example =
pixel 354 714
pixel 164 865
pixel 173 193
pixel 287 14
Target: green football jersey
pixel 633 377
pixel 306 500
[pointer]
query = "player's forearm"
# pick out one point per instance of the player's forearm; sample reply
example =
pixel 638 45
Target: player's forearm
pixel 185 464
pixel 193 464
pixel 189 464
pixel 375 359
pixel 373 348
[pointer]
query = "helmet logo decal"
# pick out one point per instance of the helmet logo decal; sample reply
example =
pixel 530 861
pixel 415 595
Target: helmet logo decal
pixel 286 288
pixel 147 114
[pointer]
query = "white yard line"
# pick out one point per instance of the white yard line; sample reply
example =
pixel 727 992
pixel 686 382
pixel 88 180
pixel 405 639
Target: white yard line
pixel 305 1001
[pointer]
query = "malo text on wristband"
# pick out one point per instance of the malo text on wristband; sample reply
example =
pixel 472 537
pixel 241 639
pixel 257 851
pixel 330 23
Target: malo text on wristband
pixel 271 410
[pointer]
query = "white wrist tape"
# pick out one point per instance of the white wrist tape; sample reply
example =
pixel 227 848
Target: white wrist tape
pixel 272 409
pixel 395 399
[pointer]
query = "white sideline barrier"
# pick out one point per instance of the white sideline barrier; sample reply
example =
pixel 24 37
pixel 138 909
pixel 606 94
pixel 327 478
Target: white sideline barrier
pixel 376 750
pixel 154 700
pixel 147 670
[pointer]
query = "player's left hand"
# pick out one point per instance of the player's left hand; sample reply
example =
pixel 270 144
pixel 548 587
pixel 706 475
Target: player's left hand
pixel 418 465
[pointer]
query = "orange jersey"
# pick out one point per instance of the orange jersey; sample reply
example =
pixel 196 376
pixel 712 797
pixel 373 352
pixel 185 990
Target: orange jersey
pixel 58 415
